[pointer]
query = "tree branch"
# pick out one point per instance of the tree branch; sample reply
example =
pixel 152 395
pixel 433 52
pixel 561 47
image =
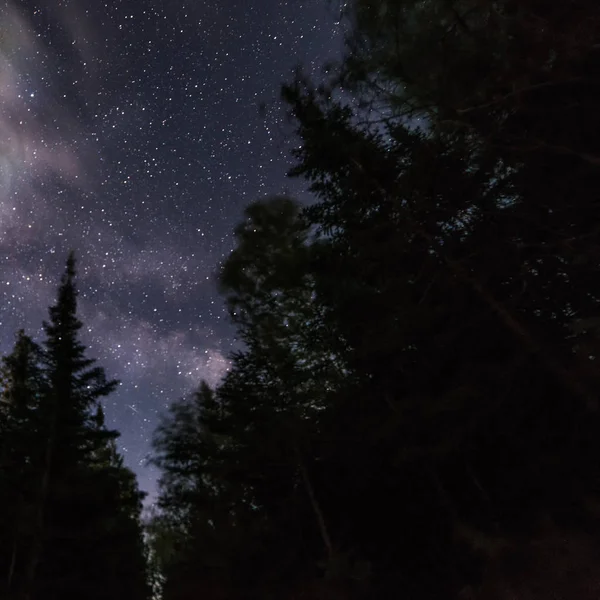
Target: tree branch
pixel 530 88
pixel 315 504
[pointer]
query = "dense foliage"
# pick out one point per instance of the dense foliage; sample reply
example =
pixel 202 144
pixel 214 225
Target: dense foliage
pixel 415 409
pixel 69 509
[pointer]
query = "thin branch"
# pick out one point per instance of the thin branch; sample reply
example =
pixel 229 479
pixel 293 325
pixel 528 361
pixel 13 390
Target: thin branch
pixel 13 564
pixel 541 145
pixel 530 88
pixel 512 323
pixel 315 505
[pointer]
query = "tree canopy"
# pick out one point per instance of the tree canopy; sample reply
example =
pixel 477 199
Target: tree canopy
pixel 415 408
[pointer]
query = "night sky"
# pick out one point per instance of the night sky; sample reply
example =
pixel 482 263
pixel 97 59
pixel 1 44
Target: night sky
pixel 131 132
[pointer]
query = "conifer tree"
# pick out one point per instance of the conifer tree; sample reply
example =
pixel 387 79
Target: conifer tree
pixel 239 464
pixel 81 506
pixel 194 531
pixel 20 455
pixel 417 392
pixel 73 389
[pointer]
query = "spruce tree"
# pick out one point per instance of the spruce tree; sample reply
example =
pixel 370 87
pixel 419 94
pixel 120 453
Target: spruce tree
pixel 85 537
pixel 193 533
pixel 20 455
pixel 239 490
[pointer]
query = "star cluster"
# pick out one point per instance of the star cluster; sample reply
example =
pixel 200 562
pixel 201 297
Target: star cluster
pixel 131 132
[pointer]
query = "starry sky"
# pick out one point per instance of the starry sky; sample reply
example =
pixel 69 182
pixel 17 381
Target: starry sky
pixel 130 131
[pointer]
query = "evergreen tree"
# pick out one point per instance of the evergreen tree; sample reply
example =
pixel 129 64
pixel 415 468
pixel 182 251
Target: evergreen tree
pixel 194 531
pixel 446 236
pixel 116 506
pixel 239 463
pixel 276 393
pixel 20 455
pixel 518 81
pixel 75 508
pixel 73 391
pixel 416 401
pixel 425 244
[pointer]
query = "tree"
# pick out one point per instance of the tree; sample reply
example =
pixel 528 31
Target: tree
pixel 193 530
pixel 416 397
pixel 116 506
pixel 238 462
pixel 480 65
pixel 466 302
pixel 20 454
pixel 269 289
pixel 517 81
pixel 278 387
pixel 80 504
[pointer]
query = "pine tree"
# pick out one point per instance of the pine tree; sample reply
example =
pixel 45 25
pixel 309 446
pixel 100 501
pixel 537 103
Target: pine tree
pixel 20 455
pixel 278 387
pixel 414 401
pixel 238 491
pixel 443 247
pixel 116 505
pixel 85 537
pixel 518 81
pixel 193 533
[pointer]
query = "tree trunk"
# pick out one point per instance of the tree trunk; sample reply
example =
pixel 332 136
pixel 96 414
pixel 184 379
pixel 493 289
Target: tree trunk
pixel 315 505
pixel 37 543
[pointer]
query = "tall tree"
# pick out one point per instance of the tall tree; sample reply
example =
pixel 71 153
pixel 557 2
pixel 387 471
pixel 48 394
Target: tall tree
pixel 437 236
pixel 84 535
pixel 193 532
pixel 416 398
pixel 116 506
pixel 278 386
pixel 240 464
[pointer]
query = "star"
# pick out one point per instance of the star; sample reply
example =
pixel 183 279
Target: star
pixel 131 133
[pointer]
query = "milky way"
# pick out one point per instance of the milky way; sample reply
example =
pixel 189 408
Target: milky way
pixel 131 133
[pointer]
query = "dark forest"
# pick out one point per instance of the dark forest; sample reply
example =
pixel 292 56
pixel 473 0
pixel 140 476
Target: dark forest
pixel 414 409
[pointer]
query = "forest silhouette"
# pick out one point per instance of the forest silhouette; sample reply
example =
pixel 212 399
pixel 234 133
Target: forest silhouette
pixel 414 408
